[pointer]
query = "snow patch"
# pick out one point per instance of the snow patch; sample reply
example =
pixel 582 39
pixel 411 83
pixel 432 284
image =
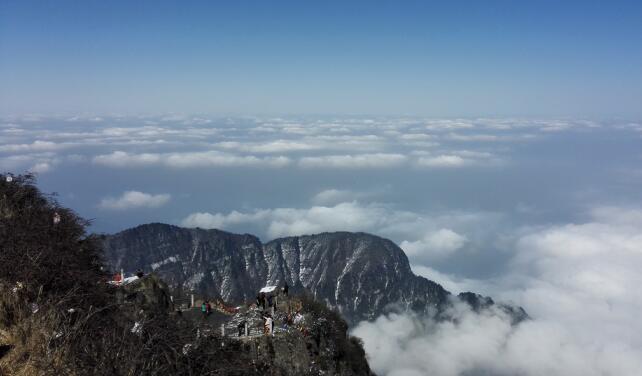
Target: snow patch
pixel 195 279
pixel 268 289
pixel 169 260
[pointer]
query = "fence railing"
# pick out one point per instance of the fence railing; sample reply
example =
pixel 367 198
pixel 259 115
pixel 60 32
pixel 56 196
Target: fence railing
pixel 249 329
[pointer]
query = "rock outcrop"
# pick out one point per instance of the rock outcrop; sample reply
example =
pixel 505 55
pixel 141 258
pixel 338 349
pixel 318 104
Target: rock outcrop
pixel 360 275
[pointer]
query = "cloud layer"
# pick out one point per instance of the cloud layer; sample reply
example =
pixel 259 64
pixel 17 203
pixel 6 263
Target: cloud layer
pixel 121 159
pixel 199 142
pixel 434 245
pixel 134 200
pixel 578 283
pixel 489 205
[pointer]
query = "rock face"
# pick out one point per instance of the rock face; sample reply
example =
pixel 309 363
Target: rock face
pixel 361 275
pixel 326 348
pixel 149 292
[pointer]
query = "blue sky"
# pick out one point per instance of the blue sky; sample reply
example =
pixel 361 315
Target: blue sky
pixel 463 58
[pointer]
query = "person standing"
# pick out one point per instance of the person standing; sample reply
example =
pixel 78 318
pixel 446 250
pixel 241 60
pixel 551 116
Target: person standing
pixel 204 309
pixel 241 327
pixel 285 289
pixel 269 325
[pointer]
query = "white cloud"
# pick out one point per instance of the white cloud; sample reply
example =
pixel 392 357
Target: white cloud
pixel 135 199
pixel 339 143
pixel 124 159
pixel 482 344
pixel 472 137
pixel 486 137
pixel 305 143
pixel 376 160
pixel 277 146
pixel 624 217
pixel 447 124
pixel 556 126
pixel 454 283
pixel 577 281
pixel 35 162
pixel 89 118
pixel 434 245
pixel 416 136
pixel 16 161
pixel 334 196
pixel 214 159
pixel 443 161
pixel 348 216
pixel 457 159
pixel 36 146
pixel 41 167
pixel 188 160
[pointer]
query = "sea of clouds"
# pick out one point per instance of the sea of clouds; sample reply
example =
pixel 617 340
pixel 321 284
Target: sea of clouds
pixel 543 213
pixel 579 283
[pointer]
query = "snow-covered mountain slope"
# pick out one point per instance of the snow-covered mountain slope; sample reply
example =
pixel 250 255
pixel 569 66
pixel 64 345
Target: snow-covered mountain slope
pixel 359 274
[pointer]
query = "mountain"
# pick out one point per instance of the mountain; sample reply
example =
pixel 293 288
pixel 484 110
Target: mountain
pixel 359 274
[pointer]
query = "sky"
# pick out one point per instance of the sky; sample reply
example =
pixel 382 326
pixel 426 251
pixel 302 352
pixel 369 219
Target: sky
pixel 499 144
pixel 455 58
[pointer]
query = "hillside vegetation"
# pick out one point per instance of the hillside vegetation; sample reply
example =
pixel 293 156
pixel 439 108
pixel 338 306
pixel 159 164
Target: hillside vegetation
pixel 58 314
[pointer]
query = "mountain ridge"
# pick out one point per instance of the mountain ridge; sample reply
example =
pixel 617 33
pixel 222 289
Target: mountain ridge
pixel 359 274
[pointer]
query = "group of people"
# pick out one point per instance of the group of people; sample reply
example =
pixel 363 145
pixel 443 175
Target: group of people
pixel 206 308
pixel 263 301
pixel 266 301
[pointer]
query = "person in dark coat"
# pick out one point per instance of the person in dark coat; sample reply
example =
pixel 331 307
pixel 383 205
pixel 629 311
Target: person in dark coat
pixel 241 327
pixel 285 289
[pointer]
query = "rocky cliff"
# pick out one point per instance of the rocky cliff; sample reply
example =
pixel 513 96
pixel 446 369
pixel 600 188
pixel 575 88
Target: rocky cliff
pixel 361 275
